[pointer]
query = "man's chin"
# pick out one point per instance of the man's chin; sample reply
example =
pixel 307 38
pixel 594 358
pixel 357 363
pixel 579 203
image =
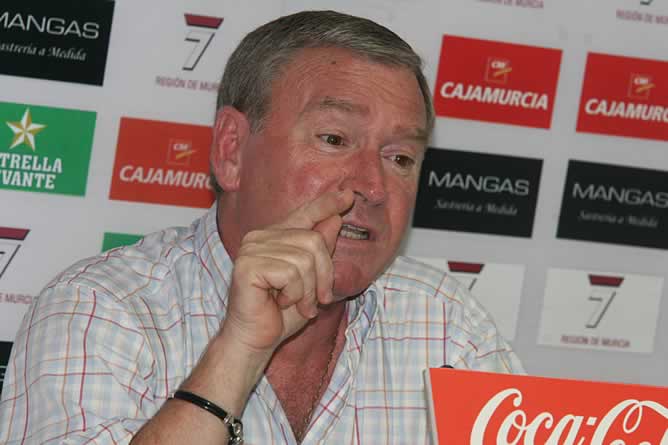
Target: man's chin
pixel 350 280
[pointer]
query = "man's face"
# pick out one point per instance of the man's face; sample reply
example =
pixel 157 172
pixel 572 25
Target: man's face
pixel 337 121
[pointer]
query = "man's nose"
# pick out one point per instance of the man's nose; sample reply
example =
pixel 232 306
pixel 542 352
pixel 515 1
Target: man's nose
pixel 366 178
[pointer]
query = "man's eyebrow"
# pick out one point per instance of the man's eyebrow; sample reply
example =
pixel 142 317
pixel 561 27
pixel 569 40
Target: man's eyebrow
pixel 418 134
pixel 332 103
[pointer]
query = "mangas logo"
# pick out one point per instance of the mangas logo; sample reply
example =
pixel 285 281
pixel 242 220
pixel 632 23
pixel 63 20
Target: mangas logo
pixel 621 195
pixel 477 192
pixel 621 96
pixel 615 204
pixel 162 163
pixel 488 184
pixel 66 41
pixel 485 80
pixel 56 26
pixel 45 149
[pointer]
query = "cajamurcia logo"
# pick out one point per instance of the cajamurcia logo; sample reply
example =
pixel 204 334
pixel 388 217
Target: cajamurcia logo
pixel 496 82
pixel 162 163
pixel 624 96
pixel 11 239
pixel 640 86
pixel 65 41
pixel 498 70
pixel 45 149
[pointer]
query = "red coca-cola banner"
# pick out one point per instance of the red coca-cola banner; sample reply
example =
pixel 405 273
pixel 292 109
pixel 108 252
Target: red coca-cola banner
pixel 477 408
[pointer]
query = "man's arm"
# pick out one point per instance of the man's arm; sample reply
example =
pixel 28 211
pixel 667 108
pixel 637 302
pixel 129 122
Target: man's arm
pixel 281 274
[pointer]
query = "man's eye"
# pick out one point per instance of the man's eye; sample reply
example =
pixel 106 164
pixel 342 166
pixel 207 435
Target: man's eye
pixel 332 139
pixel 403 161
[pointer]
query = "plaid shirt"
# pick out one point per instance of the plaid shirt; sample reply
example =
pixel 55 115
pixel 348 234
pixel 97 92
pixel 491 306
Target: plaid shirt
pixel 110 339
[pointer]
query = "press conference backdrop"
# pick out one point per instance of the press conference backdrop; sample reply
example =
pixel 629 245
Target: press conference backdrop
pixel 545 188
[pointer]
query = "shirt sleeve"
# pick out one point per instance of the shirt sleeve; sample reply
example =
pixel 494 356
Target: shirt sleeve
pixel 79 372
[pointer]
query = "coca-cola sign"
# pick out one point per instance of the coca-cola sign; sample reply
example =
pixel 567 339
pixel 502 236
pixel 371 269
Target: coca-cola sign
pixel 480 408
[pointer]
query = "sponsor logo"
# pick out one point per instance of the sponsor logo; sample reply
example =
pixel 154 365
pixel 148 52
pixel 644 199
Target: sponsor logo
pixel 604 289
pixel 200 33
pixel 640 86
pixel 600 310
pixel 496 82
pixel 203 30
pixel 477 192
pixel 510 409
pixel 498 70
pixel 614 204
pixel 68 42
pixel 621 96
pixel 5 350
pixel 10 243
pixel 45 149
pixel 535 4
pixel 162 163
pixel 12 298
pixel 112 240
pixel 497 286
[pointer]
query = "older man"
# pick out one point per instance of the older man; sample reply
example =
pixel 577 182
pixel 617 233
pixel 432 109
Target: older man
pixel 284 306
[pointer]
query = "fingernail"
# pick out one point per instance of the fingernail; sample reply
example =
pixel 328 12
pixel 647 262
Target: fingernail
pixel 314 312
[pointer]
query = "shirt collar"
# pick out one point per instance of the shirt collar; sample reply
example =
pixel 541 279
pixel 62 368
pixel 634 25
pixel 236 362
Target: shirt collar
pixel 212 254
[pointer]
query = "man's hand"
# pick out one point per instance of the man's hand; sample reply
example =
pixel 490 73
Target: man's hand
pixel 283 272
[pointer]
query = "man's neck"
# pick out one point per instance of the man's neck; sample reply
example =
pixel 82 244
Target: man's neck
pixel 317 336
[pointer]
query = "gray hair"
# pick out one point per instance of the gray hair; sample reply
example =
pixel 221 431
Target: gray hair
pixel 264 52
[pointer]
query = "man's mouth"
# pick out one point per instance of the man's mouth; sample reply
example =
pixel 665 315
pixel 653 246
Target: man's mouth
pixel 353 232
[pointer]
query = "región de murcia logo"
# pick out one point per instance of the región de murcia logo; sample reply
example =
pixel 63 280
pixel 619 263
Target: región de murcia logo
pixel 10 242
pixel 201 33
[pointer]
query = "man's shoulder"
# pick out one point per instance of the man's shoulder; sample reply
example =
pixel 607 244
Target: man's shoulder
pixel 409 284
pixel 150 259
pixel 407 274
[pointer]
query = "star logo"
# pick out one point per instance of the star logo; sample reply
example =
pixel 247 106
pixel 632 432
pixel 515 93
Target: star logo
pixel 25 131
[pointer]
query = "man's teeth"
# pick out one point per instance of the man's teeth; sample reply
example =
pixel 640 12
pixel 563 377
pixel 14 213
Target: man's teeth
pixel 353 232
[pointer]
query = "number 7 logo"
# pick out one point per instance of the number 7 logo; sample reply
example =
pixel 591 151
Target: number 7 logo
pixel 9 245
pixel 603 293
pixel 201 37
pixel 467 273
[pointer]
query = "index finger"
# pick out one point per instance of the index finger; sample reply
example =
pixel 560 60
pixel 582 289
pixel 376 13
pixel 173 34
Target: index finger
pixel 311 213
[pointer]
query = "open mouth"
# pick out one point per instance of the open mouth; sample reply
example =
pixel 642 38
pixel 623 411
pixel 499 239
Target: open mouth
pixel 353 232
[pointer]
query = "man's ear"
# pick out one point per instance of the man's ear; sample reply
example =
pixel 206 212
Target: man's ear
pixel 230 134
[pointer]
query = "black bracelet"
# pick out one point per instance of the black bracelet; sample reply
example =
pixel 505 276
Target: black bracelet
pixel 234 425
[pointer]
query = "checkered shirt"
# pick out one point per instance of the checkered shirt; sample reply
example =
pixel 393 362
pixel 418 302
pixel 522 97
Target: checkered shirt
pixel 111 338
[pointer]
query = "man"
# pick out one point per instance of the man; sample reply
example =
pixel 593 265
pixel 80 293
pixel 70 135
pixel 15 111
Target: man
pixel 284 306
